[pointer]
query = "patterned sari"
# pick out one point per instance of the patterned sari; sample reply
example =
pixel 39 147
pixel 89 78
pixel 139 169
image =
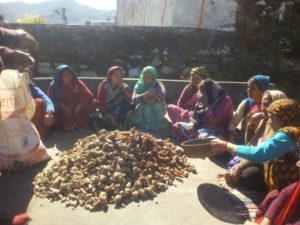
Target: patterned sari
pixel 282 171
pixel 149 116
pixel 211 120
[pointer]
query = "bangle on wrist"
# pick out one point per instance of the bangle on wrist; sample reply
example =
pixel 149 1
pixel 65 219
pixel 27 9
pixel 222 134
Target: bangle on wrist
pixel 225 145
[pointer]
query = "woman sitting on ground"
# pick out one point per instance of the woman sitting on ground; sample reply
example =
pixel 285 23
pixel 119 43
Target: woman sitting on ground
pixel 211 116
pixel 149 96
pixel 278 150
pixel 188 98
pixel 257 85
pixel 243 172
pixel 72 99
pixel 280 207
pixel 114 99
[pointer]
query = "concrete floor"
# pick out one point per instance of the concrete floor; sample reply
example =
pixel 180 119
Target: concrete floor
pixel 180 204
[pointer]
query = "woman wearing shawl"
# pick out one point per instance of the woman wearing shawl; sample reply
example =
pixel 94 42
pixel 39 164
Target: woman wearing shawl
pixel 149 96
pixel 19 140
pixel 188 98
pixel 277 151
pixel 257 85
pixel 114 98
pixel 280 207
pixel 244 172
pixel 72 99
pixel 212 114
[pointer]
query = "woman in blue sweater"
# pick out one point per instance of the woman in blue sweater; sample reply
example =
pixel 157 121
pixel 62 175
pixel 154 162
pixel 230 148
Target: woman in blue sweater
pixel 279 170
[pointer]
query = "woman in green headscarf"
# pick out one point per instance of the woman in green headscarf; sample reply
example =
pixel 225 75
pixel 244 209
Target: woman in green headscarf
pixel 149 96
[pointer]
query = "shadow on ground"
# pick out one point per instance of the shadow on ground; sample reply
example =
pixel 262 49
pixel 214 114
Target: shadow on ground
pixel 65 141
pixel 214 199
pixel 16 190
pixel 221 160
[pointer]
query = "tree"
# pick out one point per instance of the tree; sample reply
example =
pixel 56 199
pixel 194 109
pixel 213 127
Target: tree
pixel 32 19
pixel 268 38
pixel 62 13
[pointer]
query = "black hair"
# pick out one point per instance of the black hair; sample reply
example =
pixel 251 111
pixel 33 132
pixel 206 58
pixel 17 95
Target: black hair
pixel 207 86
pixel 254 81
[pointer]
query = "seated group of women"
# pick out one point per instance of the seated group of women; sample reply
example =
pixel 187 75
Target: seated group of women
pixel 262 135
pixel 71 103
pixel 27 113
pixel 263 132
pixel 269 160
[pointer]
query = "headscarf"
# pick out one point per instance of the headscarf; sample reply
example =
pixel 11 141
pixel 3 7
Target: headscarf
pixel 263 81
pixel 192 89
pixel 57 83
pixel 111 71
pixel 275 95
pixel 140 86
pixel 200 70
pixel 212 89
pixel 265 125
pixel 288 112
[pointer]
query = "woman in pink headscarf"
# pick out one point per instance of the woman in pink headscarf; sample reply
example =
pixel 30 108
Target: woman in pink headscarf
pixel 114 98
pixel 183 111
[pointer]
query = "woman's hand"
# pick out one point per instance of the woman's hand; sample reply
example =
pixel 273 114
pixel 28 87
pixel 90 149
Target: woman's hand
pixel 255 120
pixel 152 92
pixel 232 178
pixel 218 145
pixel 48 120
pixel 151 100
pixel 26 40
pixel 22 60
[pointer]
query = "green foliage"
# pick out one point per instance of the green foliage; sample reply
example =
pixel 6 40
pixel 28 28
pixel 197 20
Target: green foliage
pixel 269 32
pixel 32 19
pixel 268 41
pixel 273 24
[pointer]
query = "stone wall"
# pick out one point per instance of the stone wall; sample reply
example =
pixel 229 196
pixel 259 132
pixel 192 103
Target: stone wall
pixel 228 56
pixel 96 48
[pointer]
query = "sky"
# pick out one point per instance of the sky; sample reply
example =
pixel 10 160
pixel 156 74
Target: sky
pixel 98 4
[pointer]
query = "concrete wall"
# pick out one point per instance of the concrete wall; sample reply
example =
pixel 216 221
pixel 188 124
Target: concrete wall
pixel 209 14
pixel 236 90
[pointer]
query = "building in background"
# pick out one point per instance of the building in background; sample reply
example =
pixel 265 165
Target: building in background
pixel 209 14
